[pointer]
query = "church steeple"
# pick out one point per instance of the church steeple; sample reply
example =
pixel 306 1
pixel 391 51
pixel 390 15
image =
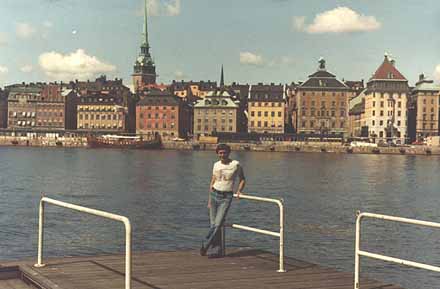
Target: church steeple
pixel 144 67
pixel 222 78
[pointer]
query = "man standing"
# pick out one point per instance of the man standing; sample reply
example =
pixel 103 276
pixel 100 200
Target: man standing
pixel 224 173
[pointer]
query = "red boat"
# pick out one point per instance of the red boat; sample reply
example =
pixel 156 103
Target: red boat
pixel 124 142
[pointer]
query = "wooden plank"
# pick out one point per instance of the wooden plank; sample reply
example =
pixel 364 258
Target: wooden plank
pixel 246 269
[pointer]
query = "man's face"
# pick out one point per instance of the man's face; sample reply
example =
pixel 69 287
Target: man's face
pixel 223 154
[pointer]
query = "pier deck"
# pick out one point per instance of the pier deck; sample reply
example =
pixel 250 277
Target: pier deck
pixel 241 268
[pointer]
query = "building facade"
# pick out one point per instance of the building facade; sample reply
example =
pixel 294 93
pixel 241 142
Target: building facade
pixel 193 90
pixel 425 103
pixel 144 70
pixel 322 104
pixel 22 106
pixel 101 112
pixel 3 108
pixel 215 114
pixel 266 108
pixel 386 99
pixel 161 112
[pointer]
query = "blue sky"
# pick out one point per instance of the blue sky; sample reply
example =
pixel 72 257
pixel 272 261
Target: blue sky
pixel 256 40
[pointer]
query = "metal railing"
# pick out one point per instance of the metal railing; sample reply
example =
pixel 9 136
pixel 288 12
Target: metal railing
pixel 99 213
pixel 279 234
pixel 359 252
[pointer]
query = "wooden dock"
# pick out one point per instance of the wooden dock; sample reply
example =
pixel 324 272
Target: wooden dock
pixel 242 268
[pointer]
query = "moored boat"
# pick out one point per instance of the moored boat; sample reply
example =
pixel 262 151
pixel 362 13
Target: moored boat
pixel 128 142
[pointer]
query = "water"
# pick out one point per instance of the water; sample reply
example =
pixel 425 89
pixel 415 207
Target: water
pixel 164 193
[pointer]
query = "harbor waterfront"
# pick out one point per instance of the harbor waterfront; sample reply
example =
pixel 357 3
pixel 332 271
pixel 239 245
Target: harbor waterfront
pixel 164 195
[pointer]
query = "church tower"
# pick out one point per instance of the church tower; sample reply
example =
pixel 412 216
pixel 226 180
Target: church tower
pixel 144 70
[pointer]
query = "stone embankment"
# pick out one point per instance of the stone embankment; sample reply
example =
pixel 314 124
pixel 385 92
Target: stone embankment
pixel 43 141
pixel 308 147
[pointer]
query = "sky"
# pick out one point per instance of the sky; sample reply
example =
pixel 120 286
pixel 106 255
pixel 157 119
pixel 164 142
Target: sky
pixel 256 41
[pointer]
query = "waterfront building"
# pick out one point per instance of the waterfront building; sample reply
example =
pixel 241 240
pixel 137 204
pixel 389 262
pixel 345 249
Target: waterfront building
pixel 101 112
pixel 22 105
pixel 356 86
pixel 192 90
pixel 423 110
pixel 217 112
pixel 116 88
pixel 266 107
pixel 357 126
pixel 322 104
pixel 386 98
pixel 161 112
pixel 3 108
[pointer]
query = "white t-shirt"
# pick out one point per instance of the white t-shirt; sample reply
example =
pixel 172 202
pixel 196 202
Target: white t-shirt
pixel 225 175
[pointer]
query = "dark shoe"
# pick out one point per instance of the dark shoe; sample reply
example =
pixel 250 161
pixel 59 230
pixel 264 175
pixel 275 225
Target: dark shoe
pixel 203 250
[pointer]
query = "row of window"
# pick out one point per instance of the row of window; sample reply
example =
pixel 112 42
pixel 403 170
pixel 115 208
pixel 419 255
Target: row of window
pixel 323 103
pixel 325 93
pixel 101 126
pixel 99 117
pixel 52 122
pixel 271 104
pixel 156 116
pixel 265 124
pixel 100 99
pixel 424 109
pixel 214 111
pixel 96 108
pixel 22 114
pixel 322 124
pixel 322 113
pixel 389 103
pixel 164 107
pixel 432 125
pixel 156 125
pixel 381 94
pixel 214 120
pixel 432 117
pixel 381 123
pixel 389 113
pixel 266 113
pixel 206 128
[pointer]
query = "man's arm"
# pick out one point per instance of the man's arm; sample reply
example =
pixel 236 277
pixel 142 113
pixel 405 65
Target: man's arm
pixel 242 182
pixel 211 185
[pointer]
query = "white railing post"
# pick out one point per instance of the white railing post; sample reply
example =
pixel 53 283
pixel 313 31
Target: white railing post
pixel 359 252
pixel 279 234
pixel 356 253
pixel 125 220
pixel 40 235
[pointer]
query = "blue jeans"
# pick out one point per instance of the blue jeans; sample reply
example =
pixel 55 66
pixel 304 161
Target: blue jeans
pixel 220 203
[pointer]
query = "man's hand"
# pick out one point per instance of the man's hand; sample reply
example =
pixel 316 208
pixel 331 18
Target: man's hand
pixel 209 204
pixel 238 193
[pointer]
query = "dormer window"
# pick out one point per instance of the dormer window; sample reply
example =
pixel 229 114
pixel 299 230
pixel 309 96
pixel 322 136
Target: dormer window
pixel 390 75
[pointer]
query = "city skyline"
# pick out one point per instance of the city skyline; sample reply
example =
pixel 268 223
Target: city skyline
pixel 270 41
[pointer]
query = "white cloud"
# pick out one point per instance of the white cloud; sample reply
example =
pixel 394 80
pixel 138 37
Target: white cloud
pixel 437 73
pixel 299 22
pixel 76 65
pixel 47 24
pixel 3 69
pixel 161 8
pixel 3 40
pixel 27 68
pixel 25 30
pixel 338 20
pixel 251 58
pixel 172 8
pixel 179 75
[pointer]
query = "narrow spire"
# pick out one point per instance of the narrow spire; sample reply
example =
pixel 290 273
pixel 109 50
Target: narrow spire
pixel 145 35
pixel 222 78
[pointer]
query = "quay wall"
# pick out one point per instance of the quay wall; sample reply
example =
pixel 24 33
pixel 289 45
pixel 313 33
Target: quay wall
pixel 307 147
pixel 270 146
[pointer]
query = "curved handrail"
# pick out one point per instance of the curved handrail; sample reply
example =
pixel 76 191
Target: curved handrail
pixel 90 211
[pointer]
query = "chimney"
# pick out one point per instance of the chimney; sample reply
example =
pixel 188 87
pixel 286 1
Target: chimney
pixel 421 77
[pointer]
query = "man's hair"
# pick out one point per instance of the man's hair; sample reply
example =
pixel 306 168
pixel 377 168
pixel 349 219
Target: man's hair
pixel 223 147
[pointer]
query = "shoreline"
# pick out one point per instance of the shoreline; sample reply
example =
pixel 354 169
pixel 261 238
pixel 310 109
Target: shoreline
pixel 270 146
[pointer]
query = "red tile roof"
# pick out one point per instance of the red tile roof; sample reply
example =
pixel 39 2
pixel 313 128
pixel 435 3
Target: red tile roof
pixel 387 71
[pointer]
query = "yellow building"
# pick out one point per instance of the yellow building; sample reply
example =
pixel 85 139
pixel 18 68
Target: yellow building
pixel 266 108
pixel 101 112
